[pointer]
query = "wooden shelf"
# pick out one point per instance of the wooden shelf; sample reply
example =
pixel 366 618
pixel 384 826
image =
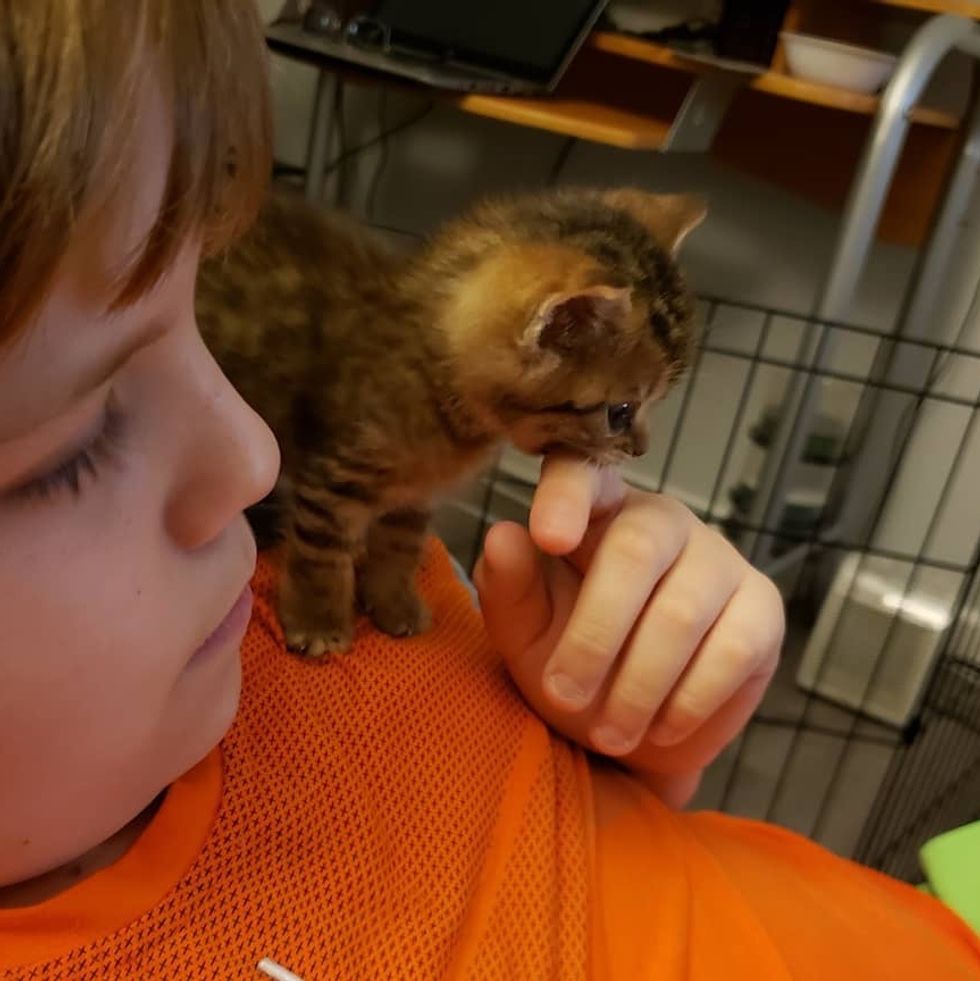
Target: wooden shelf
pixel 965 8
pixel 579 118
pixel 788 87
pixel 636 48
pixel 772 83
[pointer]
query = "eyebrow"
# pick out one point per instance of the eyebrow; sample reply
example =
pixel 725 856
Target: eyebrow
pixel 98 375
pixel 101 373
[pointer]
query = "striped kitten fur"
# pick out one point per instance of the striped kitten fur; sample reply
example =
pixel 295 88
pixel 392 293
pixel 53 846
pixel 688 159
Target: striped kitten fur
pixel 550 320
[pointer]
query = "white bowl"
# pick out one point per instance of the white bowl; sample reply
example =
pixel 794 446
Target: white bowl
pixel 845 66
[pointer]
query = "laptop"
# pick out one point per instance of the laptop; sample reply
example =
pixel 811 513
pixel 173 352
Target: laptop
pixel 518 47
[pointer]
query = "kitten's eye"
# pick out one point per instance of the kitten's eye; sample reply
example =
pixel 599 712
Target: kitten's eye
pixel 619 417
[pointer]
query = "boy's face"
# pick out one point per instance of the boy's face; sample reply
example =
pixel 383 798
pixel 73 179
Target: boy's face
pixel 125 462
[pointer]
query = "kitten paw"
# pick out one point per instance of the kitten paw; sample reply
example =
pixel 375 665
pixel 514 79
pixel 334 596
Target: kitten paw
pixel 315 623
pixel 402 615
pixel 319 643
pixel 316 645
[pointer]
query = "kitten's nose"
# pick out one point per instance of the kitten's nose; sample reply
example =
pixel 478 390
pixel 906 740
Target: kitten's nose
pixel 638 442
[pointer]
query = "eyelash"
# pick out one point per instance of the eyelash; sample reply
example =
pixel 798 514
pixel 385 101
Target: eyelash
pixel 86 463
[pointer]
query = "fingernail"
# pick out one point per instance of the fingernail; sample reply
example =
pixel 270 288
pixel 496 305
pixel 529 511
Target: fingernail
pixel 664 735
pixel 566 689
pixel 611 740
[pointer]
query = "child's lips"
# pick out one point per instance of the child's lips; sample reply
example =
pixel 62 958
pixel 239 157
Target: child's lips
pixel 232 627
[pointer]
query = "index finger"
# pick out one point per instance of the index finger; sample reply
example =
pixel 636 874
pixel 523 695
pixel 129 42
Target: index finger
pixel 571 492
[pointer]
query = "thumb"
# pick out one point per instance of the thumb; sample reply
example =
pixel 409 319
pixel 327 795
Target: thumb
pixel 514 595
pixel 527 598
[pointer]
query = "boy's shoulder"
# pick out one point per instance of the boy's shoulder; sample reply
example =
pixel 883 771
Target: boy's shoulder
pixel 368 810
pixel 447 674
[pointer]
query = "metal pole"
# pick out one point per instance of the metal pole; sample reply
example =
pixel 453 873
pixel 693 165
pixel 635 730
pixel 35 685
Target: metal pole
pixel 320 125
pixel 934 40
pixel 940 300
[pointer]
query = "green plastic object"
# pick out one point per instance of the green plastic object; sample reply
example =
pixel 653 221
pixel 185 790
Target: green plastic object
pixel 951 863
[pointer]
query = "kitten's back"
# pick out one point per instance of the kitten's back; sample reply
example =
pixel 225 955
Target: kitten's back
pixel 282 302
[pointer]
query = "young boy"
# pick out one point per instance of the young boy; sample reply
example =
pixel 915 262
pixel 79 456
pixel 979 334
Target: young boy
pixel 399 812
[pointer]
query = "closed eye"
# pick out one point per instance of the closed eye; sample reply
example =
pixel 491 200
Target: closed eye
pixel 81 465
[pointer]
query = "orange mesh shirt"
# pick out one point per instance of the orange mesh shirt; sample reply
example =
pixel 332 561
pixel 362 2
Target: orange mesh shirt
pixel 398 813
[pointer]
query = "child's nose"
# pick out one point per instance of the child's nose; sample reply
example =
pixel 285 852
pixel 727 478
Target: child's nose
pixel 233 463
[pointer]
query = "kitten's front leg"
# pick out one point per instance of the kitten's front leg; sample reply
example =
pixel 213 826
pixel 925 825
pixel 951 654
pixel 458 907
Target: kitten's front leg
pixel 317 593
pixel 387 581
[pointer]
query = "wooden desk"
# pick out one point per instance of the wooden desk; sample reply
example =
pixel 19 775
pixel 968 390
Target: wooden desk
pixel 802 136
pixel 576 117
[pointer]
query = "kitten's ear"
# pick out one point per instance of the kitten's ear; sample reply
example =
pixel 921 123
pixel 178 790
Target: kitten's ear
pixel 579 321
pixel 670 217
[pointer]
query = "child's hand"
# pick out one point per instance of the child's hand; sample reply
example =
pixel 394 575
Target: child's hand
pixel 629 625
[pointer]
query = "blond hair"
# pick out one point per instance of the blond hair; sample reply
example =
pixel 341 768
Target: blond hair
pixel 72 80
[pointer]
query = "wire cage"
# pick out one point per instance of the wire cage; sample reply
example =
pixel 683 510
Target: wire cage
pixel 869 737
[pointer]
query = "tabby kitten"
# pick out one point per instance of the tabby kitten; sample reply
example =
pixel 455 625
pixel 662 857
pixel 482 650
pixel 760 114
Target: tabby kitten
pixel 549 320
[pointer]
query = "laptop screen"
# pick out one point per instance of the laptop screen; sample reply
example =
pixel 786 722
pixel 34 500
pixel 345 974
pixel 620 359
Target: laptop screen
pixel 526 38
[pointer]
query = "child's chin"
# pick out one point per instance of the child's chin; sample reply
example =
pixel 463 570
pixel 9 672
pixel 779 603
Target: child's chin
pixel 207 705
